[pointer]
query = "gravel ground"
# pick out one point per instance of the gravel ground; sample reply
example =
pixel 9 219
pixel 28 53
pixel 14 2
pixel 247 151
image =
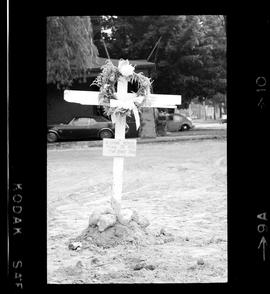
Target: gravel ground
pixel 180 187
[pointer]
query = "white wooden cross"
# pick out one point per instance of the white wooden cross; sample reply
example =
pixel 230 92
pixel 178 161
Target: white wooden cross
pixel 120 147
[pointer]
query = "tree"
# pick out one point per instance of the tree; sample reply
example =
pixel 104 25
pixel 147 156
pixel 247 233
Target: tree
pixel 190 57
pixel 70 48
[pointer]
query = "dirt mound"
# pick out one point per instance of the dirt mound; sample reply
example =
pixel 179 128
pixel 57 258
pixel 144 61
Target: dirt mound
pixel 115 235
pixel 135 232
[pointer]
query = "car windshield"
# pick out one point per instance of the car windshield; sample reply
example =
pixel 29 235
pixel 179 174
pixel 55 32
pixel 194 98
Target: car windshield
pixel 80 121
pixel 100 119
pixel 77 121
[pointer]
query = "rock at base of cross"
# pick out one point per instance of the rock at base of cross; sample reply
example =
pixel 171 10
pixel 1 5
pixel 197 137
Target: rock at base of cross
pixel 105 221
pixel 125 216
pixel 98 212
pixel 104 217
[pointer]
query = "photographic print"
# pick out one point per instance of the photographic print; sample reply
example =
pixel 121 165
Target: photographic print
pixel 136 154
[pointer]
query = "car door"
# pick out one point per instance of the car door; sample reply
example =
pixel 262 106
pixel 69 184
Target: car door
pixel 65 130
pixel 181 121
pixel 78 128
pixel 94 127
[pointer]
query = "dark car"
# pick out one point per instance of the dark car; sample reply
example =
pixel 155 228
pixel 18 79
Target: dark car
pixel 97 127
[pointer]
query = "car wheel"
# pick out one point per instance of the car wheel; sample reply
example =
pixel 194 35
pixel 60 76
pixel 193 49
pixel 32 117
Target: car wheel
pixel 185 127
pixel 105 134
pixel 51 137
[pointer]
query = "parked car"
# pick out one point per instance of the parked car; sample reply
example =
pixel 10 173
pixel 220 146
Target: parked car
pixel 179 122
pixel 97 127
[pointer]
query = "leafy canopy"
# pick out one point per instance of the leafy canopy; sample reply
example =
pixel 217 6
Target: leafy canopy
pixel 70 48
pixel 190 57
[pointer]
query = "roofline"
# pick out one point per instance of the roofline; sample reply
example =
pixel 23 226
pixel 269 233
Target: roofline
pixel 100 61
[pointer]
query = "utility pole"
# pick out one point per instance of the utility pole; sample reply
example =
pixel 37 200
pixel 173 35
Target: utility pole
pixel 107 53
pixel 153 49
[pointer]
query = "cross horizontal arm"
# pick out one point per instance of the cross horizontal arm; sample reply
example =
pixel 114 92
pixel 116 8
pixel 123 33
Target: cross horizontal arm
pixel 154 100
pixel 82 97
pixel 164 100
pixel 119 103
pixel 91 98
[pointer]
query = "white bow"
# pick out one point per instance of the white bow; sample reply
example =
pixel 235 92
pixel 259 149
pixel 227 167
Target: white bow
pixel 128 103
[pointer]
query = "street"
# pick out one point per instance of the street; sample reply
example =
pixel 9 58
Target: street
pixel 203 129
pixel 178 186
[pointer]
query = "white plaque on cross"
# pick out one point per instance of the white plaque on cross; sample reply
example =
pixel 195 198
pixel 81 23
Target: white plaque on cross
pixel 119 147
pixel 124 148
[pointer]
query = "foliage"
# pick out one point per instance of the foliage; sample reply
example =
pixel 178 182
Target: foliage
pixel 190 57
pixel 107 82
pixel 219 98
pixel 70 48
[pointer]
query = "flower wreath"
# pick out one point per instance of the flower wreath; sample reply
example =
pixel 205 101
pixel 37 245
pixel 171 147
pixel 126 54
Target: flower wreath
pixel 107 81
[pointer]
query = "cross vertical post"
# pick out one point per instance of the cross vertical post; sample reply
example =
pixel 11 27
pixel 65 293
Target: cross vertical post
pixel 118 162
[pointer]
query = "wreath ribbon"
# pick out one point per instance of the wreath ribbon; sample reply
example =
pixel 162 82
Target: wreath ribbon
pixel 129 104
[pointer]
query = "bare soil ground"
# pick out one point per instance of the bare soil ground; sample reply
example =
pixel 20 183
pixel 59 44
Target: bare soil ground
pixel 181 188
